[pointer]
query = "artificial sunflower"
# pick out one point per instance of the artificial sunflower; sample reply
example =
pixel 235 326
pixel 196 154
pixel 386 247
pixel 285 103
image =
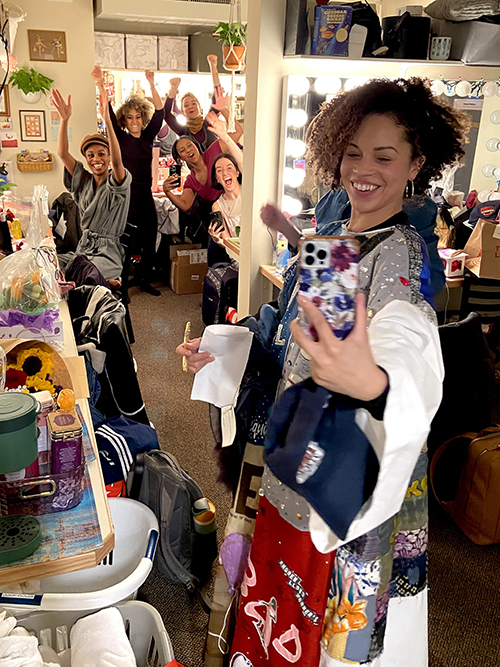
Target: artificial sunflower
pixel 36 383
pixel 34 362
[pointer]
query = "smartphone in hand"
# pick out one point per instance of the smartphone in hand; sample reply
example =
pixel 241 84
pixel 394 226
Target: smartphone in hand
pixel 215 219
pixel 328 276
pixel 175 170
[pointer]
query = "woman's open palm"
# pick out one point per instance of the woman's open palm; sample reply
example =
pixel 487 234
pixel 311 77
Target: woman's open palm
pixel 63 108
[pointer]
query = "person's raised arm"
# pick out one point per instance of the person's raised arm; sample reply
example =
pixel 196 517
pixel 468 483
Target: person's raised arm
pixel 96 74
pixel 219 104
pixel 150 76
pixel 212 63
pixel 227 144
pixel 183 201
pixel 64 111
pixel 114 147
pixel 170 118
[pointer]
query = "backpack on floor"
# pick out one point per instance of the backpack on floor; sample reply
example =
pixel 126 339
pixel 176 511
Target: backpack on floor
pixel 220 292
pixel 183 555
pixel 474 502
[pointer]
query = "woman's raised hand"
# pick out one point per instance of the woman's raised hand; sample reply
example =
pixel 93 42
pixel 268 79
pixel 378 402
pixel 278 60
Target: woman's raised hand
pixel 195 360
pixel 63 108
pixel 273 218
pixel 212 60
pixel 103 103
pixel 217 125
pixel 343 366
pixel 220 99
pixel 150 77
pixel 175 83
pixel 96 74
pixel 170 183
pixel 218 233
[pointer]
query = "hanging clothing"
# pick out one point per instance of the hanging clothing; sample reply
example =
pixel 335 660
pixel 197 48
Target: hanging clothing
pixel 103 216
pixel 204 136
pixel 231 213
pixel 376 612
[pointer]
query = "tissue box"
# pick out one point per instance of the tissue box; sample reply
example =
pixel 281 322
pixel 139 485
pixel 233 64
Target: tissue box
pixel 109 49
pixel 331 31
pixel 173 54
pixel 188 268
pixel 142 52
pixel 454 262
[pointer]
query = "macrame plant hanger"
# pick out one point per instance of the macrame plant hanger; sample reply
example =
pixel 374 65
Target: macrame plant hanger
pixel 234 61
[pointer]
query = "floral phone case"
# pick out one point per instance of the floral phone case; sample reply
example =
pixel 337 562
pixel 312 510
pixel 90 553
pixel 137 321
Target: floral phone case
pixel 328 276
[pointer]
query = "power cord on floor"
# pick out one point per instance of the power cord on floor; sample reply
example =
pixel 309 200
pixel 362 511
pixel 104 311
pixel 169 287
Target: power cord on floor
pixel 219 636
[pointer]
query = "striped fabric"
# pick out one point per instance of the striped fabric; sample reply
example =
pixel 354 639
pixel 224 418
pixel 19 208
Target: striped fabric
pixel 482 296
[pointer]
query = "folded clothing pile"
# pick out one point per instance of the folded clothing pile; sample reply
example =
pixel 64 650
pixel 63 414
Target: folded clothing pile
pixel 98 639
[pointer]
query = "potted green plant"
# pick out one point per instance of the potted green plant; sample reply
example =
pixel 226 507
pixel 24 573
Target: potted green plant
pixel 31 84
pixel 233 37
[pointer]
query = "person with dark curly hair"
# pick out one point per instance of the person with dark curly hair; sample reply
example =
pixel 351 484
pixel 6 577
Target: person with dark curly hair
pixel 311 595
pixel 136 124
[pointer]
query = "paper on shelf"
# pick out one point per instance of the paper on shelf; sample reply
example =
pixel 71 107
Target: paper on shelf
pixel 218 382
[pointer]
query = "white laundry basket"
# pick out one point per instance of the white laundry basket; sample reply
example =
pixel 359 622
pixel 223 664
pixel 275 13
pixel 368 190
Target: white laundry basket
pixel 143 624
pixel 116 578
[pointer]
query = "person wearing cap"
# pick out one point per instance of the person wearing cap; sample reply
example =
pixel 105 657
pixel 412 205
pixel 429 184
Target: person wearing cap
pixel 102 195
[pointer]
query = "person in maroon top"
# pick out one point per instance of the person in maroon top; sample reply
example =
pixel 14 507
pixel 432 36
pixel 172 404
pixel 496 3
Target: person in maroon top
pixel 136 124
pixel 196 126
pixel 199 180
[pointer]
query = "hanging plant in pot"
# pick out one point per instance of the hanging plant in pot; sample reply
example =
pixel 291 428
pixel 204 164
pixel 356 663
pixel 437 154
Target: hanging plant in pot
pixel 233 37
pixel 31 84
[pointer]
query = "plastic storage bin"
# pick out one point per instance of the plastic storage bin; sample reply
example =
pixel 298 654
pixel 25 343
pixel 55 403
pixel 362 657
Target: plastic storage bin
pixel 144 626
pixel 116 578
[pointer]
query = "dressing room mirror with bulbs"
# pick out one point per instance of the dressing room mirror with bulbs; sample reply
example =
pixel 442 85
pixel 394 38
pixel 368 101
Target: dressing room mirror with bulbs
pixel 303 96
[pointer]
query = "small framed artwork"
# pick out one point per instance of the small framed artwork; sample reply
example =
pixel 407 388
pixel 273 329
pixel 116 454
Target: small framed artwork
pixel 5 102
pixel 32 126
pixel 47 45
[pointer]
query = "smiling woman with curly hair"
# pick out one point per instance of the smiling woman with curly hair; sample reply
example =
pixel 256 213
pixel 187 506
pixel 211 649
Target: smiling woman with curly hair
pixel 136 103
pixel 431 127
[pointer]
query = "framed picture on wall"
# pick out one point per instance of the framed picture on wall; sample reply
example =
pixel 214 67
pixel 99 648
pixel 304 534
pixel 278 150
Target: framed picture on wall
pixel 5 102
pixel 47 45
pixel 32 125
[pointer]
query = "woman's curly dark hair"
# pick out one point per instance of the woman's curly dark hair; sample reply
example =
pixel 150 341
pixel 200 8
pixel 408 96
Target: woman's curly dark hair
pixel 434 130
pixel 140 104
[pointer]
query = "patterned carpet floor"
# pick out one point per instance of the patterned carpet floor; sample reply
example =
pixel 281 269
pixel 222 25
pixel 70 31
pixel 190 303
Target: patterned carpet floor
pixel 464 595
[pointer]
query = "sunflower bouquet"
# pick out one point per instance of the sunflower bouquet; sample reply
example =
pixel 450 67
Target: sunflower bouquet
pixel 36 366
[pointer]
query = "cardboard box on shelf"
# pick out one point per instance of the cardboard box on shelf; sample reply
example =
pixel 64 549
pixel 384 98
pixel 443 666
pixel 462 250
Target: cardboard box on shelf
pixel 472 42
pixel 415 10
pixel 188 268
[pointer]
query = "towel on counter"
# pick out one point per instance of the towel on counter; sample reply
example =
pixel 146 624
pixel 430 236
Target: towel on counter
pixel 100 639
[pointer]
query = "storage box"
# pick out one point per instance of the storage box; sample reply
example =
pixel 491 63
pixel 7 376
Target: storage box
pixel 454 262
pixel 415 10
pixel 331 31
pixel 109 49
pixel 173 54
pixel 141 52
pixel 472 42
pixel 188 268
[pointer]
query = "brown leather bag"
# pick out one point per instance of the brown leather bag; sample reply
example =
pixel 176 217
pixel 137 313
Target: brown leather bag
pixel 476 504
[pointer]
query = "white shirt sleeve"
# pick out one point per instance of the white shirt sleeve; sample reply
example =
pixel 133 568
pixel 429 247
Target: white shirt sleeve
pixel 406 345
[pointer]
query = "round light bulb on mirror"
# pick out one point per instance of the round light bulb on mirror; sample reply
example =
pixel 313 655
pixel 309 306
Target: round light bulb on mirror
pixel 483 196
pixel 488 170
pixel 494 196
pixel 294 177
pixel 294 147
pixel 296 117
pixel 463 88
pixel 438 87
pixel 495 117
pixel 493 144
pixel 327 85
pixel 490 89
pixel 298 85
pixel 496 173
pixel 181 119
pixel 291 205
pixel 355 81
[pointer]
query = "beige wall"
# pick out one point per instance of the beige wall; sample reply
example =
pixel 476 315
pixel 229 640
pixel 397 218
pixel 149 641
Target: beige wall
pixel 75 18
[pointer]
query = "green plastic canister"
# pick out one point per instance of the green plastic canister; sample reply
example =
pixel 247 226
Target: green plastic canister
pixel 18 433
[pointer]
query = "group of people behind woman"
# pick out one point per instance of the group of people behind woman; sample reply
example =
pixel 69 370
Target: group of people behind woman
pixel 117 210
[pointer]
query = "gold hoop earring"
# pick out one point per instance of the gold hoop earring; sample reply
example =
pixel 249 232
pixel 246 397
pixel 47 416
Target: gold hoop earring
pixel 409 190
